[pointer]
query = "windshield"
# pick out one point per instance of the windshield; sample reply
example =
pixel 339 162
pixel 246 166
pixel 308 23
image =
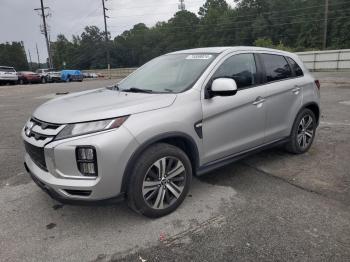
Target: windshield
pixel 169 73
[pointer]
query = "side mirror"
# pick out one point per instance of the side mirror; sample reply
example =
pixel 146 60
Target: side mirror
pixel 222 87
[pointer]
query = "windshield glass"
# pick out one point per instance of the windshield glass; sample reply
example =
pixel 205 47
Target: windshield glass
pixel 168 73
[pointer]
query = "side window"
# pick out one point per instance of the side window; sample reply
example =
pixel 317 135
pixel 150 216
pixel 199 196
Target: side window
pixel 296 68
pixel 276 67
pixel 241 68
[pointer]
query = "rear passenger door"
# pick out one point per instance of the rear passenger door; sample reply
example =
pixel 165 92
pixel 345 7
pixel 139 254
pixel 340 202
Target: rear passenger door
pixel 283 91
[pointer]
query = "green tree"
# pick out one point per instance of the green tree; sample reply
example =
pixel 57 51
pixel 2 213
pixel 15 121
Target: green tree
pixel 13 54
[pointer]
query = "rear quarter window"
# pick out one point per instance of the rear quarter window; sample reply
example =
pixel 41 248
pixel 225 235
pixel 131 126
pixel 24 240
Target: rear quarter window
pixel 296 68
pixel 276 67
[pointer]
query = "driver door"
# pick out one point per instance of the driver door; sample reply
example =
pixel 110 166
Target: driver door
pixel 233 124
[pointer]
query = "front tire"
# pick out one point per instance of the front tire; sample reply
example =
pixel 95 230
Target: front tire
pixel 159 181
pixel 303 132
pixel 43 80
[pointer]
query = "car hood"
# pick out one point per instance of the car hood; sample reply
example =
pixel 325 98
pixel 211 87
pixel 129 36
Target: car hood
pixel 99 104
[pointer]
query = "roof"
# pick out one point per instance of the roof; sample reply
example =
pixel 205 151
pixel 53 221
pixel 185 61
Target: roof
pixel 218 50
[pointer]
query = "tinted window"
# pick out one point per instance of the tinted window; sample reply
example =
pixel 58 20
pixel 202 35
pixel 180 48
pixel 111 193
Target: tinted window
pixel 7 69
pixel 296 68
pixel 276 67
pixel 239 67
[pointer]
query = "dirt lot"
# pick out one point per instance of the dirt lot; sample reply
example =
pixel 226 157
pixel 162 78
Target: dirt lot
pixel 272 206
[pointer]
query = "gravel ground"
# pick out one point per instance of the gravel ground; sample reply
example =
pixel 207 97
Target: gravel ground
pixel 270 206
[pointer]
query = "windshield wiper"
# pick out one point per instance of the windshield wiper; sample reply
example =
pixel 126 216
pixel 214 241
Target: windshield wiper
pixel 136 90
pixel 113 87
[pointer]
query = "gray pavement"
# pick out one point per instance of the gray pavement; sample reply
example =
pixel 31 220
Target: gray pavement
pixel 269 207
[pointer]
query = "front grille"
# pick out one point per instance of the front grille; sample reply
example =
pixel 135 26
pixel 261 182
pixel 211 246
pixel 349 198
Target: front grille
pixel 36 154
pixel 44 125
pixel 41 130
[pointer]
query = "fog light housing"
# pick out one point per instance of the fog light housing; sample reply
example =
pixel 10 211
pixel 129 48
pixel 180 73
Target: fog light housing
pixel 86 160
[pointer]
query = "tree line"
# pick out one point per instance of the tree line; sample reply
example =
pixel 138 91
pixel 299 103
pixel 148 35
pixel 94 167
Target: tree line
pixel 295 25
pixel 13 54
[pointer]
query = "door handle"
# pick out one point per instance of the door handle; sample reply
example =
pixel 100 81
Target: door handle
pixel 258 100
pixel 296 90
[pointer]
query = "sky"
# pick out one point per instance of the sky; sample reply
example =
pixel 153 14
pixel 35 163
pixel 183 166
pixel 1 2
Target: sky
pixel 19 21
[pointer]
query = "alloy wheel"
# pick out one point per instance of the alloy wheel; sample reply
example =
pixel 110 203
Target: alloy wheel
pixel 164 182
pixel 305 131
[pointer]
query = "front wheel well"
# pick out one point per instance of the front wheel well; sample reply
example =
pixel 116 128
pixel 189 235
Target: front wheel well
pixel 182 141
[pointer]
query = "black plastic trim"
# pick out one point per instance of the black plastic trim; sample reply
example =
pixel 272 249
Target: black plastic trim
pixel 235 157
pixel 199 128
pixel 94 161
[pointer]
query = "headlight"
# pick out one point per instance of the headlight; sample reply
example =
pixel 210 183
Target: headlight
pixel 79 129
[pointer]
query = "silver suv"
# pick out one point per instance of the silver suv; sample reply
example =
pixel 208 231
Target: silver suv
pixel 179 115
pixel 8 75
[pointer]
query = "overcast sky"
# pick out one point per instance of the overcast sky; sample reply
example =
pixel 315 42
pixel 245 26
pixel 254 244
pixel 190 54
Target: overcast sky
pixel 19 22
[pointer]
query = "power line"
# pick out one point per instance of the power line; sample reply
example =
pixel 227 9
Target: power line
pixel 325 25
pixel 107 40
pixel 157 5
pixel 30 60
pixel 44 15
pixel 182 5
pixel 37 52
pixel 238 24
pixel 237 16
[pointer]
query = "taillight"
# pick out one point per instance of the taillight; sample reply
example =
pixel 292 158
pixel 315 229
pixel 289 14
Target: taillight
pixel 317 82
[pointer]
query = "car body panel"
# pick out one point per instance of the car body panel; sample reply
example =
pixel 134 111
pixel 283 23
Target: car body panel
pixel 99 104
pixel 62 167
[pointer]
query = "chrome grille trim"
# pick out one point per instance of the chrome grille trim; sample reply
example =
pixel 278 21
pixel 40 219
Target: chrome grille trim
pixel 40 133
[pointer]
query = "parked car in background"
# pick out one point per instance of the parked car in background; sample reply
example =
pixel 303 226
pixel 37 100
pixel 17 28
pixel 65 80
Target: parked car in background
pixel 49 75
pixel 27 77
pixel 91 75
pixel 86 75
pixel 8 75
pixel 71 75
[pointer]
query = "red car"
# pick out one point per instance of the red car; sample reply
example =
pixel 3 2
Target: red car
pixel 27 77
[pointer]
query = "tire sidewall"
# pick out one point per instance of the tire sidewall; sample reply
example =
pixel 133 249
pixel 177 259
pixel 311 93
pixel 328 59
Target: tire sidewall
pixel 143 163
pixel 294 135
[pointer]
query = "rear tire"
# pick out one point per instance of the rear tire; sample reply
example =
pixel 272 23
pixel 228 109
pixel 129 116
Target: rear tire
pixel 159 181
pixel 303 132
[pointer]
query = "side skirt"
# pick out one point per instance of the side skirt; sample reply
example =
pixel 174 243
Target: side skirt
pixel 235 157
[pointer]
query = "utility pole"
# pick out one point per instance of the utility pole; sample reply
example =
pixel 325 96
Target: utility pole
pixel 43 15
pixel 30 61
pixel 325 25
pixel 182 5
pixel 106 36
pixel 37 53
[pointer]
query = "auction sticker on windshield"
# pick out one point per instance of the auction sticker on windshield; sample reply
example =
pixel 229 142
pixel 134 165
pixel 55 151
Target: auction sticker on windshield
pixel 203 57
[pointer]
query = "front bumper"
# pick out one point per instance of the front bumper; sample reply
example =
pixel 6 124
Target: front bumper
pixel 64 200
pixel 64 182
pixel 8 78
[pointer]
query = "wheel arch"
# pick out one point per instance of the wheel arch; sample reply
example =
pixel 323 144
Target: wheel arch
pixel 314 107
pixel 178 139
